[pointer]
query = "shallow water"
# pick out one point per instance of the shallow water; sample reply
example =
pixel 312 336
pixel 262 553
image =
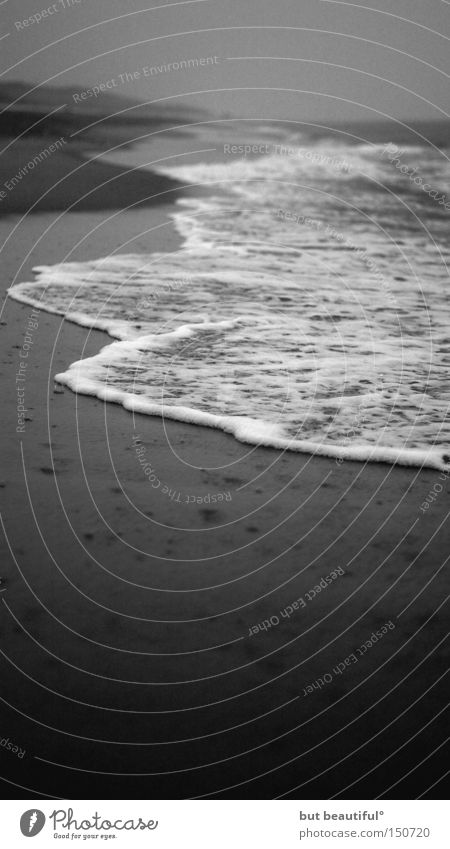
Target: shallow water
pixel 308 308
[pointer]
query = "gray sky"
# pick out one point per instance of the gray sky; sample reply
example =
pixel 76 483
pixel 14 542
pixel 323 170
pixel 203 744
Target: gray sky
pixel 76 46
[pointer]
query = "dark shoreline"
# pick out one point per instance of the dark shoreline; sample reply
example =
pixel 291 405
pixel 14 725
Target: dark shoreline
pixel 78 184
pixel 126 615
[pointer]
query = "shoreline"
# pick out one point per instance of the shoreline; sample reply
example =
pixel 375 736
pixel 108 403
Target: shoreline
pixel 123 602
pixel 432 458
pixel 78 183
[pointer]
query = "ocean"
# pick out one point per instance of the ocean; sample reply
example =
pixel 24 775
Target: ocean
pixel 308 308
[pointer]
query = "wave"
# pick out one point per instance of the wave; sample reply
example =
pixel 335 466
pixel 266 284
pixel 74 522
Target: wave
pixel 291 317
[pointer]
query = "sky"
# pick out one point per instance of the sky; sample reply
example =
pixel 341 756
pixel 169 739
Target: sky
pixel 311 60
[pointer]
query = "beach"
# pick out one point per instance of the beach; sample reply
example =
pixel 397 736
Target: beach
pixel 185 615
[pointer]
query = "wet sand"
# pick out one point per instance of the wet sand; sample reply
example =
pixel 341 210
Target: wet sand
pixel 141 651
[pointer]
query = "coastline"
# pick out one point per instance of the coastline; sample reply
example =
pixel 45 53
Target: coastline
pixel 113 576
pixel 66 179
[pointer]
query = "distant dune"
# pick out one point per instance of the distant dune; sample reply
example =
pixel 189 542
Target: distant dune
pixel 115 117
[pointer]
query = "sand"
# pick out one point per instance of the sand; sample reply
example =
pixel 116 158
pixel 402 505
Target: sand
pixel 131 661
